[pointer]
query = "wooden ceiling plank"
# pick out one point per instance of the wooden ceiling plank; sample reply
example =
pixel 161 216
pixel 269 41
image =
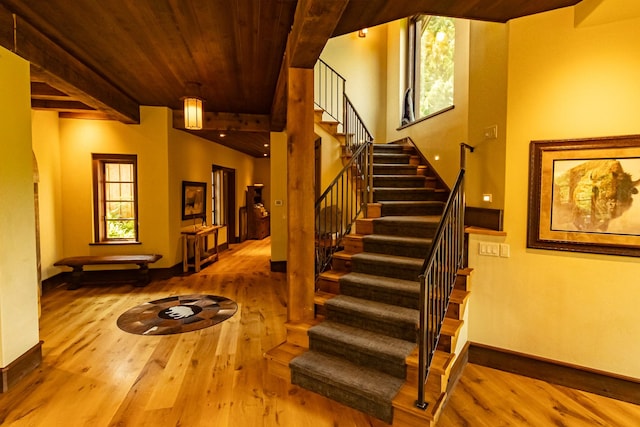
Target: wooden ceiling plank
pixel 313 24
pixel 64 72
pixel 227 122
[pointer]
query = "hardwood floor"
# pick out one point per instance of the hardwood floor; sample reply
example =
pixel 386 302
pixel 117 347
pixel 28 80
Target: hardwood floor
pixel 94 374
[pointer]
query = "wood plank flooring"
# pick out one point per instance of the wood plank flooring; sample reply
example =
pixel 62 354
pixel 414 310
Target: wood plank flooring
pixel 94 374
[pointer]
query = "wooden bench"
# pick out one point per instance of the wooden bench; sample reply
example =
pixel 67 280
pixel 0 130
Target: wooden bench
pixel 78 262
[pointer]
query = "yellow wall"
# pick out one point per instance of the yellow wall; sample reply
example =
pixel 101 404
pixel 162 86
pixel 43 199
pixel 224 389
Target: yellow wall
pixel 46 147
pixel 148 140
pixel 488 63
pixel 190 159
pixel 278 182
pixel 362 62
pixel 563 82
pixel 262 175
pixel 330 157
pixel 166 157
pixel 18 276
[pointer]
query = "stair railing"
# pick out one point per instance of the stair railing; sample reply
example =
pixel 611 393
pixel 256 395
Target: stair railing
pixel 328 91
pixel 341 204
pixel 438 278
pixel 356 133
pixel 330 96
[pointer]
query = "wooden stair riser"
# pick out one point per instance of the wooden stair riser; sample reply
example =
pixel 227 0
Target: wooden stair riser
pixel 278 359
pixel 364 226
pixel 327 285
pixel 297 332
pixel 330 126
pixel 463 280
pixel 353 244
pixel 341 262
pixel 374 210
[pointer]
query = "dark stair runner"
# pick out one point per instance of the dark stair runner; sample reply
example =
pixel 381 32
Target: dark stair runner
pixel 357 355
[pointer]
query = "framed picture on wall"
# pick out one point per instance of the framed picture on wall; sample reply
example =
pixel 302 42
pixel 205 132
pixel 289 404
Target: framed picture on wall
pixel 584 195
pixel 194 200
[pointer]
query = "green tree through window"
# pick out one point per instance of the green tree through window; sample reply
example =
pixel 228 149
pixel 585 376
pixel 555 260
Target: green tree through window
pixel 115 201
pixel 434 63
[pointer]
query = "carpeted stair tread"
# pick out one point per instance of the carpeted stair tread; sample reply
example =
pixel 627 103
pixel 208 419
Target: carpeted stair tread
pixel 365 389
pixel 411 208
pixel 406 246
pixel 410 225
pixel 399 181
pixel 401 267
pixel 389 290
pixel 388 148
pixel 392 320
pixel 394 169
pixel 381 194
pixel 391 158
pixel 360 346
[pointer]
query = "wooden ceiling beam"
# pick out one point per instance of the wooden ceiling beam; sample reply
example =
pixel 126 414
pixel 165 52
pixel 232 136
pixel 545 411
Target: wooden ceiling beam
pixel 43 91
pixel 227 121
pixel 68 105
pixel 59 69
pixel 313 24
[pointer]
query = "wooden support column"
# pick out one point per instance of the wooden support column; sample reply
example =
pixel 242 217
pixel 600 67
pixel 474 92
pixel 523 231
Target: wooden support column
pixel 300 196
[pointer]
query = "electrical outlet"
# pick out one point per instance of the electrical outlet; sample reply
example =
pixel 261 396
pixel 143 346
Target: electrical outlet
pixel 505 250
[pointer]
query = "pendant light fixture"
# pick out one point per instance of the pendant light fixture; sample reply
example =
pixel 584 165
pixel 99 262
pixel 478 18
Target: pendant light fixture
pixel 193 111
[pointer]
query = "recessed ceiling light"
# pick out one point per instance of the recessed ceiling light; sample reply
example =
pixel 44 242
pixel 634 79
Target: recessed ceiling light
pixel 265 154
pixel 266 145
pixel 222 135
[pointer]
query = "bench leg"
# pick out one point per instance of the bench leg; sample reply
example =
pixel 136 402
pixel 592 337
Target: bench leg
pixel 143 274
pixel 76 278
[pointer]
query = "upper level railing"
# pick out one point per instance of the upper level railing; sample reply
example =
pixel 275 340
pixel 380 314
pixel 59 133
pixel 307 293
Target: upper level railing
pixel 330 96
pixel 341 204
pixel 328 91
pixel 438 278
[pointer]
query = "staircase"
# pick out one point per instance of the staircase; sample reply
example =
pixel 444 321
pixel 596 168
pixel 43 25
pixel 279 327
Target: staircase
pixel 361 349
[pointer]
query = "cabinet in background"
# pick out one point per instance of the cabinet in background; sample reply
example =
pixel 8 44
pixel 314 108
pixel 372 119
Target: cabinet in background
pixel 257 215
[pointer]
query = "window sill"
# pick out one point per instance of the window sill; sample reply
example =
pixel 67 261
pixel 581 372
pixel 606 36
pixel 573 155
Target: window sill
pixel 130 242
pixel 422 119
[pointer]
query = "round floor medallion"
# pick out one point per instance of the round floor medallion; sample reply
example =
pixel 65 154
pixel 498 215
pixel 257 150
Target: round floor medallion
pixel 177 314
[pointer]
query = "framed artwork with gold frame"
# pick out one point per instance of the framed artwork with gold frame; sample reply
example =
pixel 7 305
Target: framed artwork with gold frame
pixel 584 195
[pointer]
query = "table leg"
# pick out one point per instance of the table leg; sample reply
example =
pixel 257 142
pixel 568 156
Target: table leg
pixel 185 254
pixel 196 249
pixel 76 278
pixel 143 274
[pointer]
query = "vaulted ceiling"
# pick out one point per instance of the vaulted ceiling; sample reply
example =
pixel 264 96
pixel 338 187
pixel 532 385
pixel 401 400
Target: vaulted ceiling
pixel 103 59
